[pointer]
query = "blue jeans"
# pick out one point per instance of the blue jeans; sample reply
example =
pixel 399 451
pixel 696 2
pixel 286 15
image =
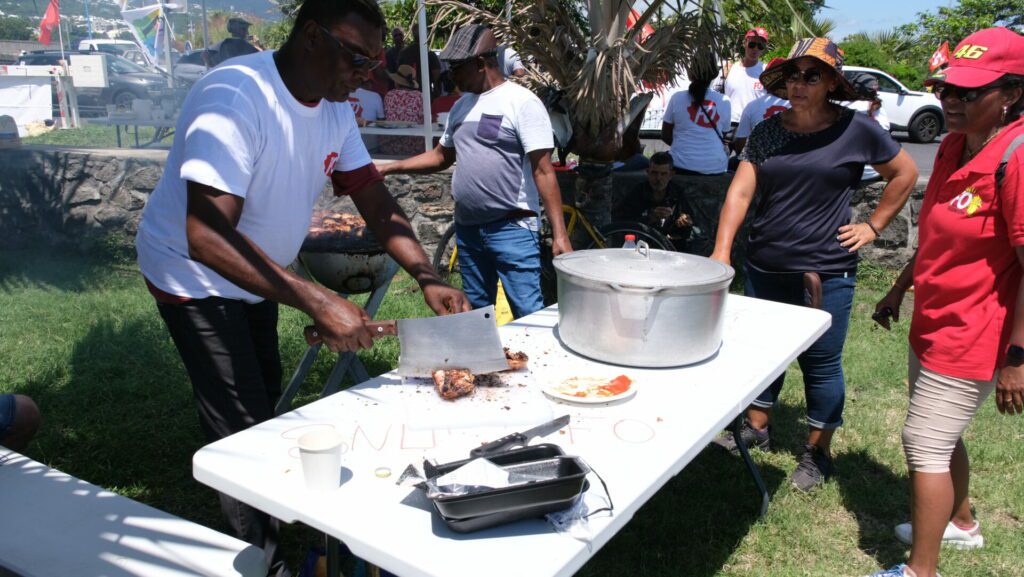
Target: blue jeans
pixel 822 363
pixel 6 414
pixel 500 250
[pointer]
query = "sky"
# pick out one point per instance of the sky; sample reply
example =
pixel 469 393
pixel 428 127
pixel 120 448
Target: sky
pixel 871 15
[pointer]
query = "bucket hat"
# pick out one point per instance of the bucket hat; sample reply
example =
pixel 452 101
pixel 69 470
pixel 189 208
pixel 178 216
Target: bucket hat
pixel 983 58
pixel 821 49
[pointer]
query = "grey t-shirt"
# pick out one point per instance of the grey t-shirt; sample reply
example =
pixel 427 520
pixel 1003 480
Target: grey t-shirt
pixel 492 134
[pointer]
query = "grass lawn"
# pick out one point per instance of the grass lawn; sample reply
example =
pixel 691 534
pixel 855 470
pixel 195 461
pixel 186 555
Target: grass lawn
pixel 83 338
pixel 95 137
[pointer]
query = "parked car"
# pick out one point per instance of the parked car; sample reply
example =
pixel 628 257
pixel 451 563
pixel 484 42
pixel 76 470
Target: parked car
pixel 918 113
pixel 127 81
pixel 190 68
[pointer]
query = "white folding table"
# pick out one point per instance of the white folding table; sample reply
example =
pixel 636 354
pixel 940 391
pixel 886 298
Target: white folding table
pixel 636 445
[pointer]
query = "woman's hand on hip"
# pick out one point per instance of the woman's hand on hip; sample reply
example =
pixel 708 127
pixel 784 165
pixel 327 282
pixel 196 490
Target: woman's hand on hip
pixel 854 236
pixel 1010 390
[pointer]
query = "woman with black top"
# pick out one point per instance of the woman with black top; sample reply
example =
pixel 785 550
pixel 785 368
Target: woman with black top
pixel 803 164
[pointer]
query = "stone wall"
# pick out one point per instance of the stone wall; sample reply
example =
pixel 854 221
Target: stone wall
pixel 79 197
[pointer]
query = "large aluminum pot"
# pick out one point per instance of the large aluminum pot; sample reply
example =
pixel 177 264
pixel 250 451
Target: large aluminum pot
pixel 641 307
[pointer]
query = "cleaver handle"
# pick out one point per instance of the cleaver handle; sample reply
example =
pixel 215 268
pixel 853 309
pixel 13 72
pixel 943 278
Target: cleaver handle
pixel 377 329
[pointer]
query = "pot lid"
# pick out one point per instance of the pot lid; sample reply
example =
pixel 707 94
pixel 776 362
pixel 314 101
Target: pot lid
pixel 642 267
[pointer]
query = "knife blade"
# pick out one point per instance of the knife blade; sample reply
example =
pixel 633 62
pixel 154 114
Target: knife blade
pixel 467 340
pixel 519 439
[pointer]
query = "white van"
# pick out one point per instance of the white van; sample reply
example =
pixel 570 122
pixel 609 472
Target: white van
pixel 107 45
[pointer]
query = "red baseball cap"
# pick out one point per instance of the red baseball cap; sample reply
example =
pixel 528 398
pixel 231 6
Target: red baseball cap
pixel 983 58
pixel 757 33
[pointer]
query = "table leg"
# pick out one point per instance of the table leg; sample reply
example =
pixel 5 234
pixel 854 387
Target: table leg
pixel 333 548
pixel 137 136
pixel 737 426
pixel 340 368
pixel 117 130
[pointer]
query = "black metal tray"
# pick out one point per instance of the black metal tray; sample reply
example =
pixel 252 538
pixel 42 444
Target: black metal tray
pixel 502 518
pixel 558 492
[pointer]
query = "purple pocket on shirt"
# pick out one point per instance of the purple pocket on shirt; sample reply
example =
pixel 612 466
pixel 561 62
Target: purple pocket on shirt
pixel 489 126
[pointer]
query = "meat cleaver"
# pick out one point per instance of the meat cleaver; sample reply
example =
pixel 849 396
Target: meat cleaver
pixel 458 341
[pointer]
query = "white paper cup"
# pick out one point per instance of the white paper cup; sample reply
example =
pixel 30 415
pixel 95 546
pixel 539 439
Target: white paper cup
pixel 320 452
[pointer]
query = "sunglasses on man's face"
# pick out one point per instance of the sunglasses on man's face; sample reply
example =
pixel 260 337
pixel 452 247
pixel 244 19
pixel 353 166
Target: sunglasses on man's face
pixel 756 45
pixel 359 61
pixel 810 76
pixel 944 91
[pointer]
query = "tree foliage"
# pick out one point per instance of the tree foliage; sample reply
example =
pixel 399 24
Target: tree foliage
pixel 904 51
pixel 16 28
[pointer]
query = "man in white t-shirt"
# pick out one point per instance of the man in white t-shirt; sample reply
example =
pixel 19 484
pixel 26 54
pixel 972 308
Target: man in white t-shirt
pixel 510 63
pixel 743 81
pixel 257 140
pixel 367 106
pixel 501 134
pixel 760 109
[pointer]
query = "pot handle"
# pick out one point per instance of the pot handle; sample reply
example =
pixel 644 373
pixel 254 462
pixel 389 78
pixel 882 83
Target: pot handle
pixel 635 289
pixel 644 249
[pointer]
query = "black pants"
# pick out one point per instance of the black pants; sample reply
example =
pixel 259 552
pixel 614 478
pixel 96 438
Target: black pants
pixel 230 351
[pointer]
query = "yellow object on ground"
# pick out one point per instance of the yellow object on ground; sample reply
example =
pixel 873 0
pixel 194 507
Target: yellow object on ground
pixel 501 308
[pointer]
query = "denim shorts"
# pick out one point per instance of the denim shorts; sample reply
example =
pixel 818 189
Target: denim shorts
pixel 6 414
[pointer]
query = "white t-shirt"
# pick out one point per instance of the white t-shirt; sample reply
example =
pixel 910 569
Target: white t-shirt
pixel 509 61
pixel 742 86
pixel 879 116
pixel 368 105
pixel 492 134
pixel 759 109
pixel 696 144
pixel 241 131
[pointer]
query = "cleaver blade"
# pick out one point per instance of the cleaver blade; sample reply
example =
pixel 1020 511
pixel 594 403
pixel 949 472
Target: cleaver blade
pixel 460 341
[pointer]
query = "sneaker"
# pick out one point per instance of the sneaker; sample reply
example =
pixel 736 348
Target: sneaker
pixel 753 438
pixel 953 536
pixel 814 468
pixel 897 571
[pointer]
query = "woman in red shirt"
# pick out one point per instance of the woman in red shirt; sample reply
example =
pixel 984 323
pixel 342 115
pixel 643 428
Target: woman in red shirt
pixel 967 334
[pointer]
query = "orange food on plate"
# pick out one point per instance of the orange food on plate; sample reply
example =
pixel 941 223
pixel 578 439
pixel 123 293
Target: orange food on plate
pixel 595 387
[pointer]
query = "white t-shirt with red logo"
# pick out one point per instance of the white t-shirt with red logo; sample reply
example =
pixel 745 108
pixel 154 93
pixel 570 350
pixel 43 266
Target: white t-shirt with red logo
pixel 742 86
pixel 369 106
pixel 241 131
pixel 760 109
pixel 696 141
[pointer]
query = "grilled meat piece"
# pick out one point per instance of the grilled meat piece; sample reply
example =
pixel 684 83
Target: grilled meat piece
pixel 516 360
pixel 454 383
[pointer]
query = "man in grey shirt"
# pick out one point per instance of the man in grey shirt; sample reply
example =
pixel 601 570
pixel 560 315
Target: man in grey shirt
pixel 501 133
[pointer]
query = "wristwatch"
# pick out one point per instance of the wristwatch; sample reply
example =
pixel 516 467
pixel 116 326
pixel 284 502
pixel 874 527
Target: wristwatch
pixel 1015 355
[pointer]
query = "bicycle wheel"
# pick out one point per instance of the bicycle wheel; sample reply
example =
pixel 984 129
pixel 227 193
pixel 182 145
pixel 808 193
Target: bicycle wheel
pixel 614 234
pixel 445 262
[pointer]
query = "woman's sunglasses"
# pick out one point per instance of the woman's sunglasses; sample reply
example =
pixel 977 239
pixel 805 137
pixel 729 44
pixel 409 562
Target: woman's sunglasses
pixel 810 76
pixel 756 45
pixel 944 91
pixel 358 60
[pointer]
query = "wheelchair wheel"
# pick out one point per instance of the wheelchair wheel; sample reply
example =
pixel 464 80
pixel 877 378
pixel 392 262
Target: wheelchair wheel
pixel 614 234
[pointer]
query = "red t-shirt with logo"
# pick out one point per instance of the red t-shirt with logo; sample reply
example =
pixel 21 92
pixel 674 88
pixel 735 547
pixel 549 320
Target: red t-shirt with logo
pixel 966 274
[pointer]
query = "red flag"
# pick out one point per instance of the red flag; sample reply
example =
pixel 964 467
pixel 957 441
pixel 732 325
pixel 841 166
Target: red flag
pixel 50 21
pixel 940 57
pixel 646 31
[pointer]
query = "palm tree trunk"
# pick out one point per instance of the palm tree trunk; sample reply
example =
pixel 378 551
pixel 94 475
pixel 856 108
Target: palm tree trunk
pixel 593 197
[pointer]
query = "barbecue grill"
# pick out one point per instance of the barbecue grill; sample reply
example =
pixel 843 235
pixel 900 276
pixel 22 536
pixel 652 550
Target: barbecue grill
pixel 341 253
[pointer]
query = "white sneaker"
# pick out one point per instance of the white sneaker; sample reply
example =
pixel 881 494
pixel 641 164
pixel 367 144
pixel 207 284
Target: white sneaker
pixel 953 536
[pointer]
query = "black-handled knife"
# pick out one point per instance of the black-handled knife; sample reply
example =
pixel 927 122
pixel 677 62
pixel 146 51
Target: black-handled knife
pixel 519 439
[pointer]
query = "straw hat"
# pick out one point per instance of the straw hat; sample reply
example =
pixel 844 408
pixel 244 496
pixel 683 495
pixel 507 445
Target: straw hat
pixel 405 77
pixel 821 49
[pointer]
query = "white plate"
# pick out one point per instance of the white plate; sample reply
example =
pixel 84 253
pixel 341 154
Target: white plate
pixel 554 392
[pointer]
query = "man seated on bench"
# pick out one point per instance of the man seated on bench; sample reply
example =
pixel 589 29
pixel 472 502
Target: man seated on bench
pixel 19 421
